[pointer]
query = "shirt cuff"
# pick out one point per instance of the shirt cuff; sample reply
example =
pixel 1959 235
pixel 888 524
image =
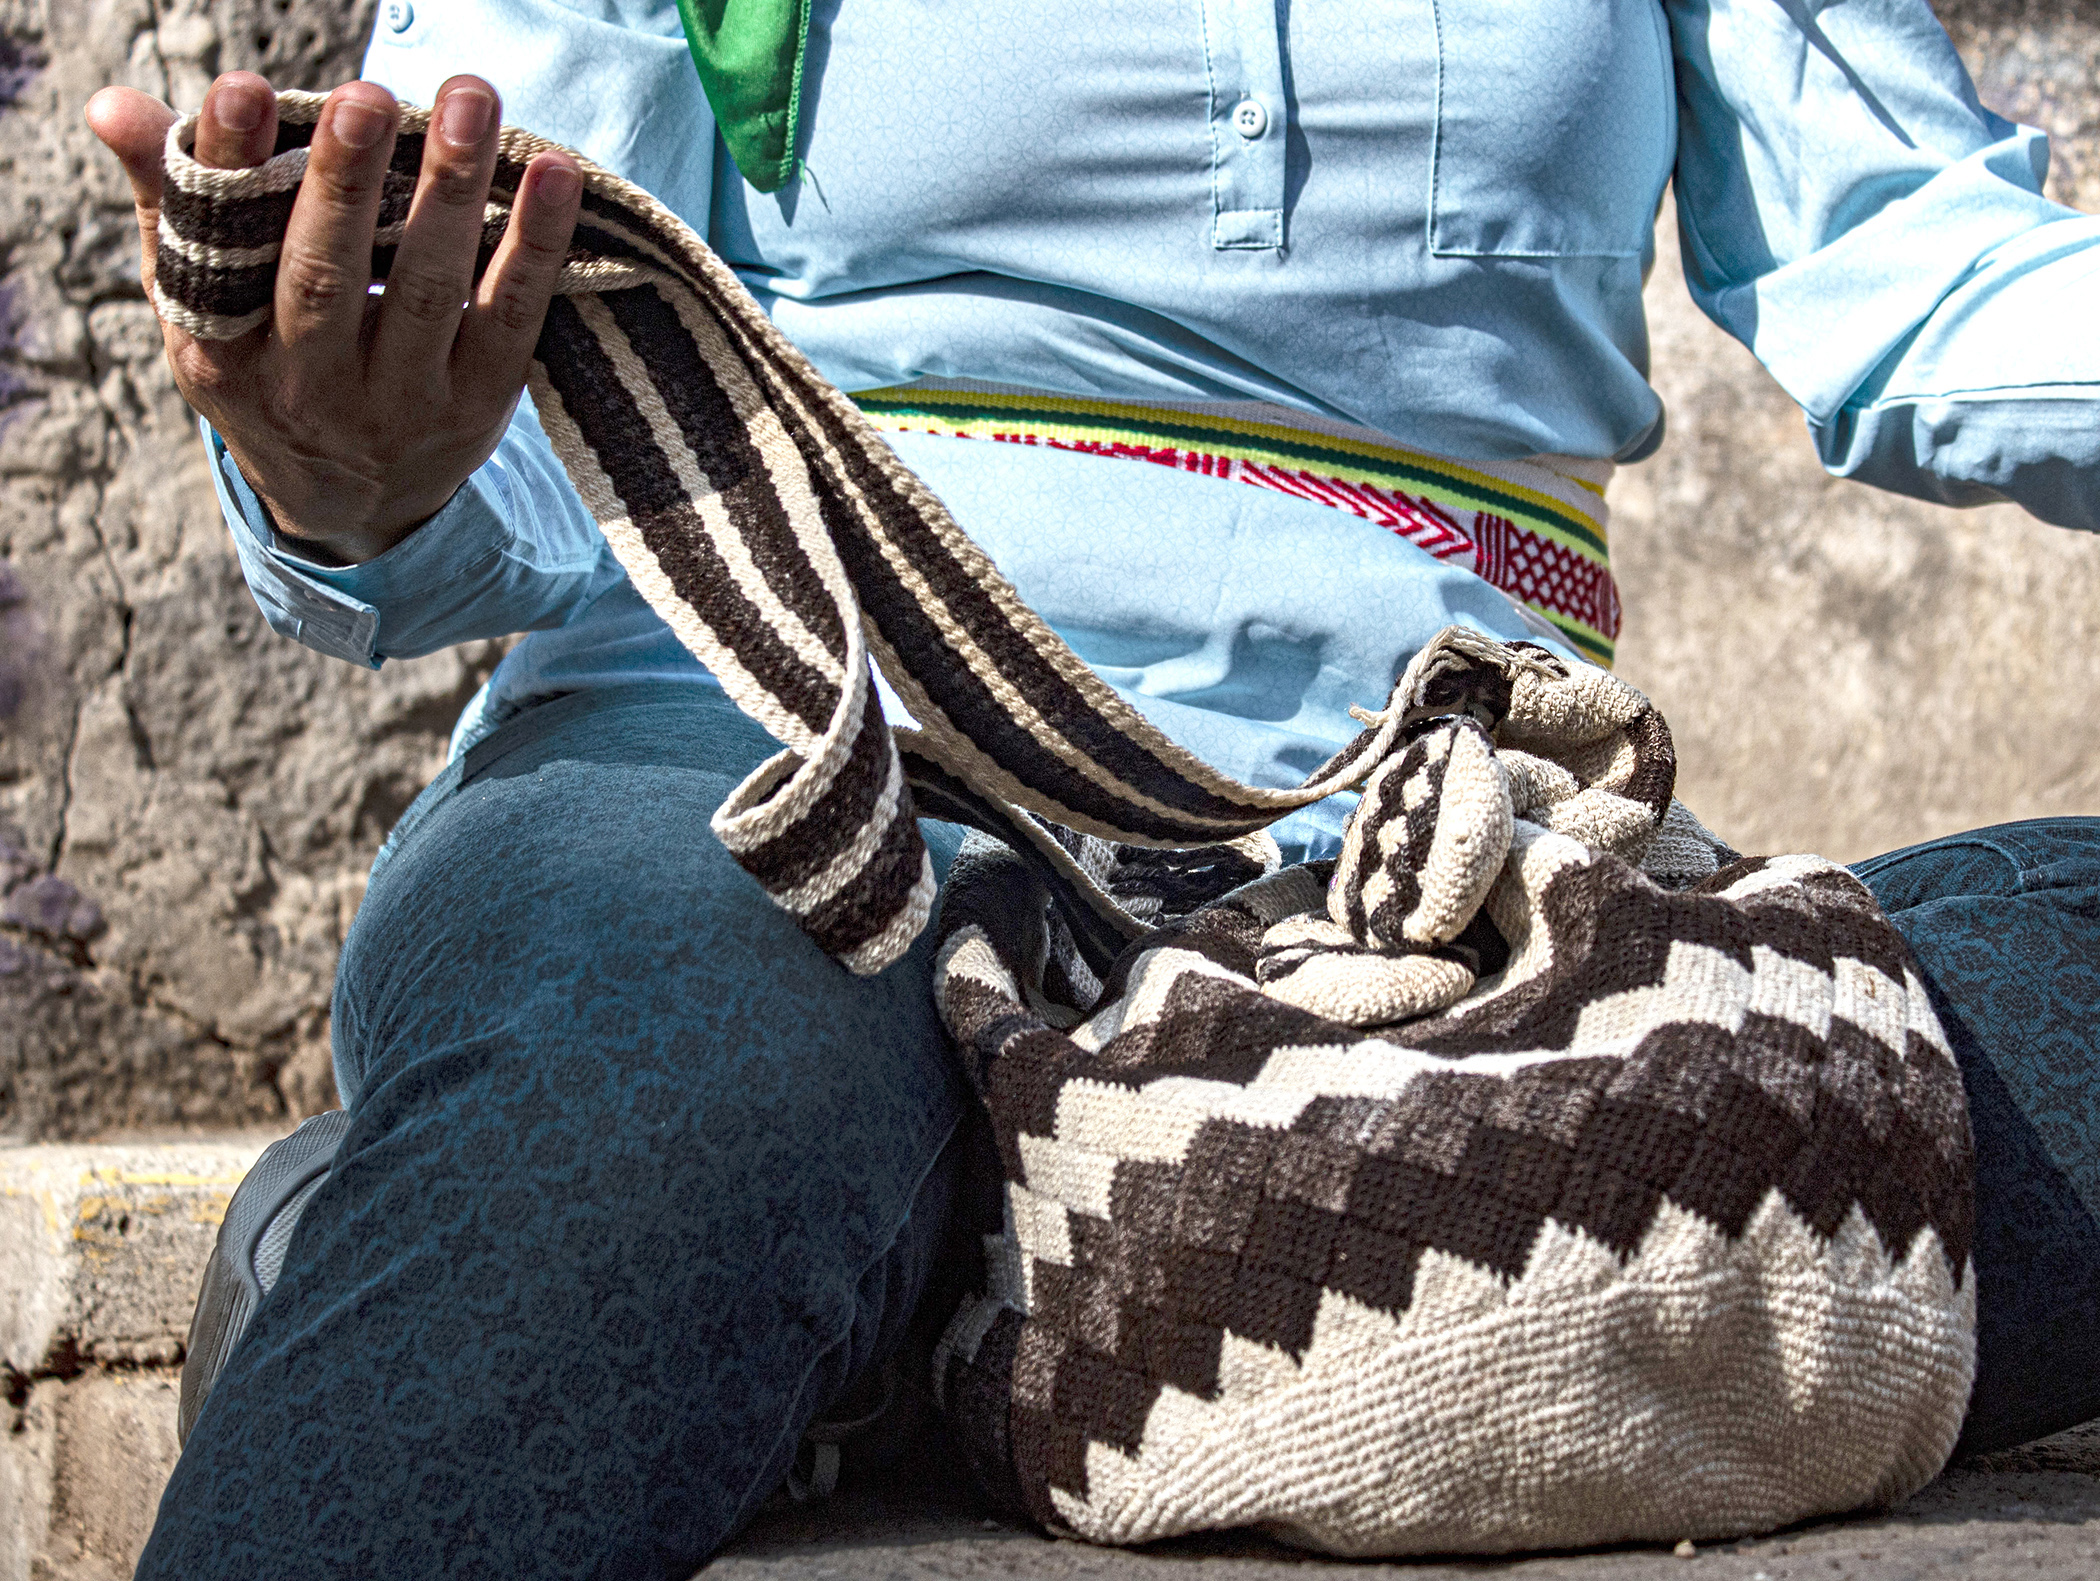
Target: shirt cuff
pixel 338 610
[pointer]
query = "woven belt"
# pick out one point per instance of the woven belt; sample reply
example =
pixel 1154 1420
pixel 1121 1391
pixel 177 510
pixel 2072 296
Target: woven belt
pixel 1532 530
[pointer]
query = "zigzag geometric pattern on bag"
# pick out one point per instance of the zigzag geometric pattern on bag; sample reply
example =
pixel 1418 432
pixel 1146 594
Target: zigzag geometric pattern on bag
pixel 1567 1202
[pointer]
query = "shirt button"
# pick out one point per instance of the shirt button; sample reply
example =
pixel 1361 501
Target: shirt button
pixel 1249 119
pixel 399 15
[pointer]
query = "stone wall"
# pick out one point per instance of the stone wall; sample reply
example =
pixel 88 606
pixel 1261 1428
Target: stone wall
pixel 188 804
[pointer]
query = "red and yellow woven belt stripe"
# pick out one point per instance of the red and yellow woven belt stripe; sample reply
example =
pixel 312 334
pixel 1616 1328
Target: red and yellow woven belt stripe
pixel 1535 533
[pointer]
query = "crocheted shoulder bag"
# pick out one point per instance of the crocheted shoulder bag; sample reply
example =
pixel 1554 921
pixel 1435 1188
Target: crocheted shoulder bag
pixel 1536 1173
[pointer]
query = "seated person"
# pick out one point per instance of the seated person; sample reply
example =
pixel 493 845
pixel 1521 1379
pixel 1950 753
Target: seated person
pixel 635 1184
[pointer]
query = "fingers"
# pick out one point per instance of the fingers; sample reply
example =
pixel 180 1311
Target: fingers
pixel 433 273
pixel 239 125
pixel 497 339
pixel 326 267
pixel 135 128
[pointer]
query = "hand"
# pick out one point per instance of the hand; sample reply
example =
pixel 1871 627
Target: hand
pixel 357 417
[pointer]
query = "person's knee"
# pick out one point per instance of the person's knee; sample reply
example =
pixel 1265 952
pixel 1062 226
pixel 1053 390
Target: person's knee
pixel 626 923
pixel 1921 874
pixel 2004 860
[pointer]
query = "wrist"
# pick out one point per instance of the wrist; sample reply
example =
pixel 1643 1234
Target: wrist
pixel 339 546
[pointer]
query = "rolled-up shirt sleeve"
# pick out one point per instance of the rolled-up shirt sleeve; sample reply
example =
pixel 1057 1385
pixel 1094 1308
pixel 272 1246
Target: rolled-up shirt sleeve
pixel 514 550
pixel 1852 213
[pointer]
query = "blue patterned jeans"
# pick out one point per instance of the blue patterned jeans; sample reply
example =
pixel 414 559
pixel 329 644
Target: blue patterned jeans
pixel 2005 923
pixel 637 1184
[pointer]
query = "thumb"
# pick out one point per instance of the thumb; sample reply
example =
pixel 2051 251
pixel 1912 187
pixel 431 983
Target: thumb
pixel 135 127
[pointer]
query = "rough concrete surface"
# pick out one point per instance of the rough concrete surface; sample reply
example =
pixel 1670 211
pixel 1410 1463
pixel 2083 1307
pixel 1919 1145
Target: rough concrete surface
pixel 101 1249
pixel 2037 1517
pixel 87 1457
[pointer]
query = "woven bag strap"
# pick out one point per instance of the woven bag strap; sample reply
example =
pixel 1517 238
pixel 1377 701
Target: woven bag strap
pixel 774 530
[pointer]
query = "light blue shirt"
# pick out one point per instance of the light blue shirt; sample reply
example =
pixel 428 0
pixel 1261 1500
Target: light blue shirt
pixel 1428 217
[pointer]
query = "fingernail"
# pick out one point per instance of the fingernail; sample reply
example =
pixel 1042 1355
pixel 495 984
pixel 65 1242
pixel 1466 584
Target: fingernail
pixel 357 124
pixel 238 107
pixel 465 118
pixel 559 183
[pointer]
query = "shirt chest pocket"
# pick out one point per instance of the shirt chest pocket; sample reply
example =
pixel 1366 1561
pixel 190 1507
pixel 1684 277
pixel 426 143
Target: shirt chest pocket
pixel 1556 127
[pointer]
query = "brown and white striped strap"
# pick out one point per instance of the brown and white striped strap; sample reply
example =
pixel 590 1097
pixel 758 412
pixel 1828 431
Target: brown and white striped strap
pixel 786 545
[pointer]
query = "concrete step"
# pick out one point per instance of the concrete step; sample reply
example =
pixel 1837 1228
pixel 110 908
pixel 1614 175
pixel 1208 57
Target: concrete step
pixel 101 1248
pixel 2033 1514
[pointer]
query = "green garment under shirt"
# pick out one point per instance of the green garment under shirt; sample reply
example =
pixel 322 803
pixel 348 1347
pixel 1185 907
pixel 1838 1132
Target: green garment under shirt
pixel 749 54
